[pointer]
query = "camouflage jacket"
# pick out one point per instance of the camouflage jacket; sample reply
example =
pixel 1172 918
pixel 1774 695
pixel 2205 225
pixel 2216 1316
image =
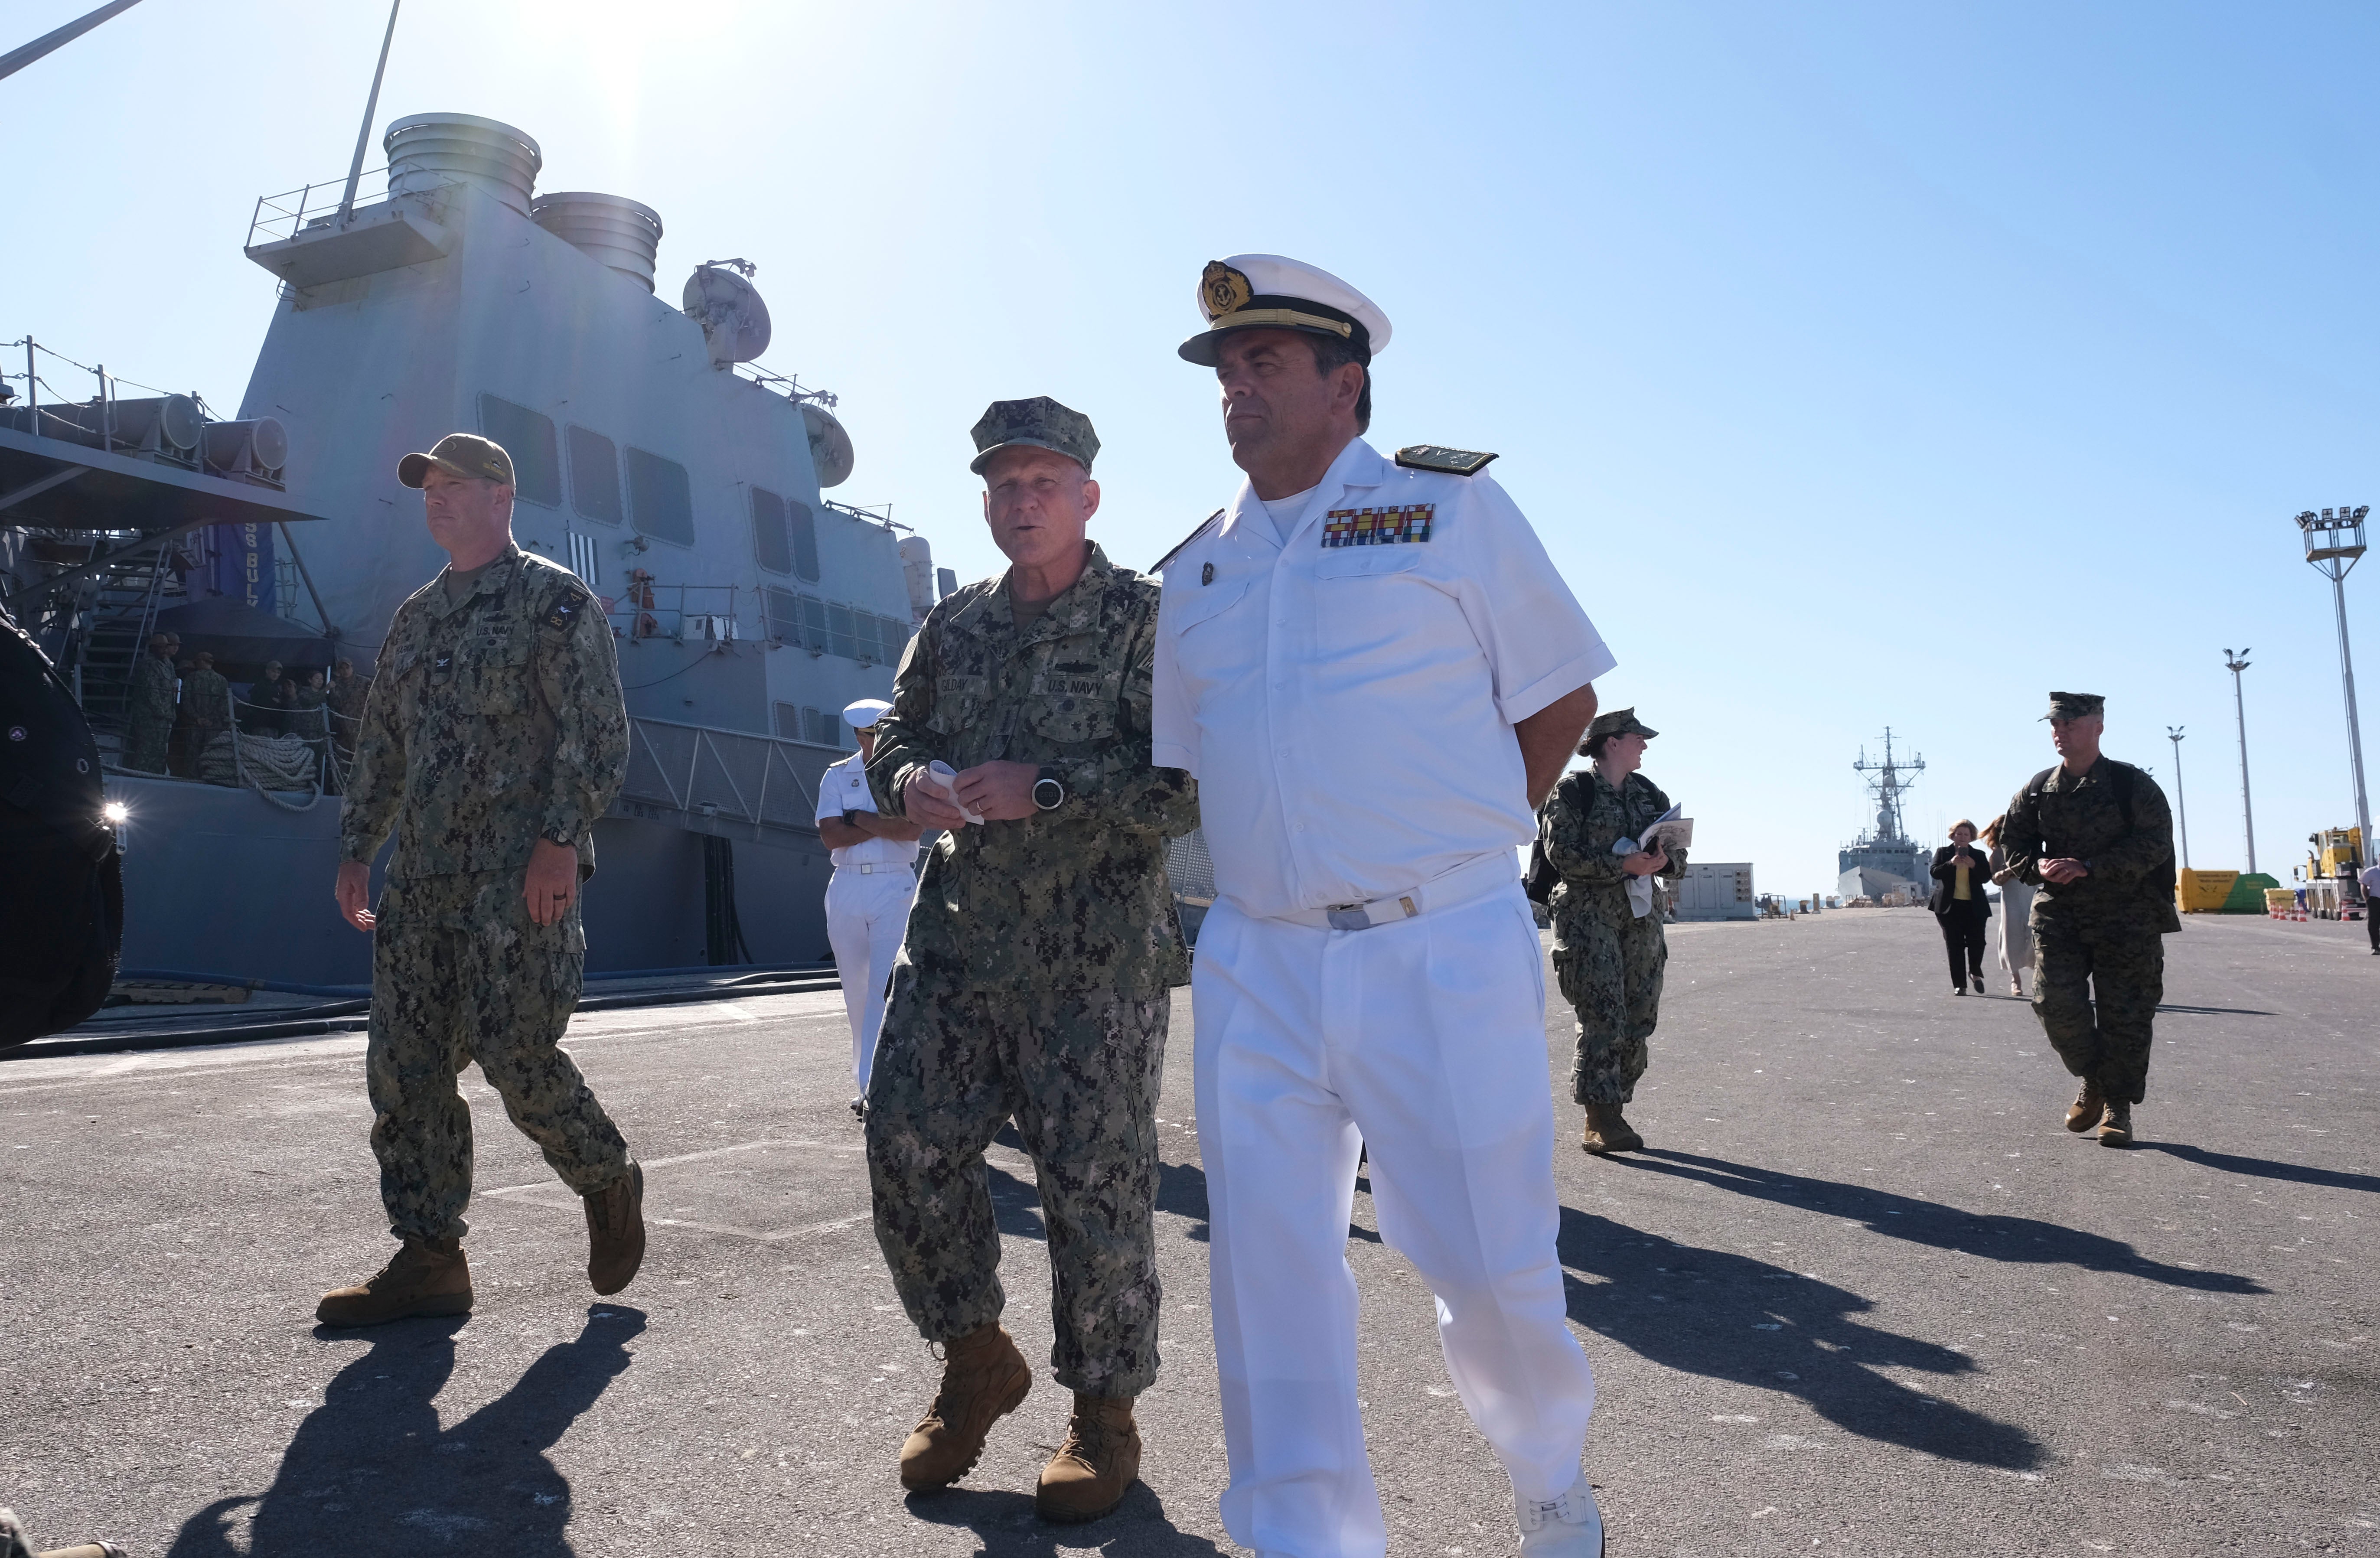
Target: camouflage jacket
pixel 347 704
pixel 492 723
pixel 2082 819
pixel 1075 898
pixel 1580 822
pixel 152 688
pixel 207 694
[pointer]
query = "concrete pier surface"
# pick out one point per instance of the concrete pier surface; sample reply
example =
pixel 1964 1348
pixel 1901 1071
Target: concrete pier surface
pixel 1862 1293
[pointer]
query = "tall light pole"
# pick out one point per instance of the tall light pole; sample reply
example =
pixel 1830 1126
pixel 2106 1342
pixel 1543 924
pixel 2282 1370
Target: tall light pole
pixel 2173 734
pixel 2334 539
pixel 2238 662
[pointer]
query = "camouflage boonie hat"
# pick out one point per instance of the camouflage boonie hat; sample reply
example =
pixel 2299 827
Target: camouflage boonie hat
pixel 1041 424
pixel 466 455
pixel 2074 705
pixel 1619 721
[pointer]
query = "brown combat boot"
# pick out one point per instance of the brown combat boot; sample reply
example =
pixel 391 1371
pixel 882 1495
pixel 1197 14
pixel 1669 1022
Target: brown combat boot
pixel 2116 1129
pixel 1093 1470
pixel 616 1231
pixel 425 1277
pixel 2089 1105
pixel 984 1378
pixel 1608 1131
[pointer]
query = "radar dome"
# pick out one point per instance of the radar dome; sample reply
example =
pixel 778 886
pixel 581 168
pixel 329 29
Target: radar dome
pixel 830 446
pixel 728 308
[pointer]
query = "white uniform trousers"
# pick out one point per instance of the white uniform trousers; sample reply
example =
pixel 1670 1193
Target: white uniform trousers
pixel 866 914
pixel 1423 1040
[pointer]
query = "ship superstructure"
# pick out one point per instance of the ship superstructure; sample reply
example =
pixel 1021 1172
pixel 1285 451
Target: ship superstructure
pixel 1884 859
pixel 654 458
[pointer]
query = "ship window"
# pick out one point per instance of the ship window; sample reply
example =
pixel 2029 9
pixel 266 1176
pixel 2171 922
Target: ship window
pixel 659 499
pixel 814 633
pixel 784 611
pixel 826 727
pixel 841 632
pixel 527 437
pixel 789 721
pixel 805 528
pixel 768 541
pixel 871 646
pixel 594 475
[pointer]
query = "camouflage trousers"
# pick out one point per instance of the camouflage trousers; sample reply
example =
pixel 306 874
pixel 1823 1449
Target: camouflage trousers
pixel 2122 966
pixel 1610 971
pixel 460 973
pixel 1078 1070
pixel 144 741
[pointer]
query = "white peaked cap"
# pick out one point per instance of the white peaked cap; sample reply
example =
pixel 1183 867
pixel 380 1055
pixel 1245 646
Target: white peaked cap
pixel 866 712
pixel 1274 292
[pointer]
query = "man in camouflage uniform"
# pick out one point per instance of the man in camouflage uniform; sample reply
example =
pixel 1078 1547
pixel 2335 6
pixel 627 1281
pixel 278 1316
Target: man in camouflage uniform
pixel 260 712
pixel 493 737
pixel 1034 978
pixel 207 694
pixel 149 718
pixel 2097 837
pixel 1609 946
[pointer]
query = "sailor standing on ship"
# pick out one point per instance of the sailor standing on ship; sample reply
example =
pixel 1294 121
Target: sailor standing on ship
pixel 1375 674
pixel 868 899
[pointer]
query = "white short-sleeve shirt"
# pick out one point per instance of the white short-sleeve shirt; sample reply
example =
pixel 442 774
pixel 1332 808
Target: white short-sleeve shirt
pixel 1346 696
pixel 843 787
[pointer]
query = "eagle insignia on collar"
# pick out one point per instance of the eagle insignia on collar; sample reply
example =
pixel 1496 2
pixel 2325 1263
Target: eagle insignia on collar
pixel 1445 461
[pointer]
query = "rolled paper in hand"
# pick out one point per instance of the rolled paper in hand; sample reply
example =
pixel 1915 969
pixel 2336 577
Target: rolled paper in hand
pixel 945 779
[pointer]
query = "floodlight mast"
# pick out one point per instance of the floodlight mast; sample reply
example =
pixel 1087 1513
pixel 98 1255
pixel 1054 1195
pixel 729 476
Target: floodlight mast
pixel 2173 734
pixel 2237 663
pixel 2334 539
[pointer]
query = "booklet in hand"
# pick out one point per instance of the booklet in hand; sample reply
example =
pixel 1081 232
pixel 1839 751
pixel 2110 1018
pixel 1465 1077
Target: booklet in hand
pixel 1669 830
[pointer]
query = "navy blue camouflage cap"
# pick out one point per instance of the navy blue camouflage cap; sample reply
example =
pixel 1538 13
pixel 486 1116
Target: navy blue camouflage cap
pixel 1040 423
pixel 1616 722
pixel 2074 705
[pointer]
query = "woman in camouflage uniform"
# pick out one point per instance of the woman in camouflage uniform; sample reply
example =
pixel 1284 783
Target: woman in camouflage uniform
pixel 1609 948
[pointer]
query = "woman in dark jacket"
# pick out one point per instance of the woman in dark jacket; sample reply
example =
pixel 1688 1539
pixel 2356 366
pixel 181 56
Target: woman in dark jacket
pixel 1959 872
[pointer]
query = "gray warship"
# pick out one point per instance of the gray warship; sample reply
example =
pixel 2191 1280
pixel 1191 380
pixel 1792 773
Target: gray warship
pixel 1884 859
pixel 683 482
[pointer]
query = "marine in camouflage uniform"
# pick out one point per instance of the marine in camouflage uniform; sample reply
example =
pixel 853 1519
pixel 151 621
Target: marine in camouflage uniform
pixel 496 720
pixel 1608 960
pixel 149 717
pixel 2098 947
pixel 207 694
pixel 345 699
pixel 1034 978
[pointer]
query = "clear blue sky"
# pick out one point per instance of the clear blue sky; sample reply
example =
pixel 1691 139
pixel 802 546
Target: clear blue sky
pixel 1861 364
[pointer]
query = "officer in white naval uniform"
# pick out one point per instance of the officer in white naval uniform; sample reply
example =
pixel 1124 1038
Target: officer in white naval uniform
pixel 868 898
pixel 1374 673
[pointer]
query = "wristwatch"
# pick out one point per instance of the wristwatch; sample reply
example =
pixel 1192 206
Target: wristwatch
pixel 1048 791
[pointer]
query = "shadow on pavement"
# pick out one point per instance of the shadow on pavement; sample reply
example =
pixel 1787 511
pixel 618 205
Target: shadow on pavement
pixel 370 1470
pixel 2265 1168
pixel 2020 1240
pixel 1007 1526
pixel 1671 1303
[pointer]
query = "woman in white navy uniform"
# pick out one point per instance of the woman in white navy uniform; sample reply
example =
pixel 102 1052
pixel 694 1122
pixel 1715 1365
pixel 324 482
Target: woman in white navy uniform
pixel 868 898
pixel 1375 674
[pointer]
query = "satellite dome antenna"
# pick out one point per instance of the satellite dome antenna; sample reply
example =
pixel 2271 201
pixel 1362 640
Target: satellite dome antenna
pixel 722 299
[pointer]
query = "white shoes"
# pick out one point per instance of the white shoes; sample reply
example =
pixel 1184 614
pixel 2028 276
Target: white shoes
pixel 1568 1526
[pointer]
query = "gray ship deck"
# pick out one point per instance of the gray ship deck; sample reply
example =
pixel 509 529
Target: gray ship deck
pixel 1863 1294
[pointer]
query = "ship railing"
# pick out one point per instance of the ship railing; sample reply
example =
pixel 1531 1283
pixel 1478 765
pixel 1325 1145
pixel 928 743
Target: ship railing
pixel 705 612
pixel 293 212
pixel 791 388
pixel 707 775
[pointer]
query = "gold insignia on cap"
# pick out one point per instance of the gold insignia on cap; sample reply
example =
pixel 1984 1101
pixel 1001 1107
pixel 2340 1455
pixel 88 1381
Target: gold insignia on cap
pixel 1223 290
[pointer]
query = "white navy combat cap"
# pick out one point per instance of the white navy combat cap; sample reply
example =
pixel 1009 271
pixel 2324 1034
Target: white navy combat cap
pixel 866 712
pixel 1273 292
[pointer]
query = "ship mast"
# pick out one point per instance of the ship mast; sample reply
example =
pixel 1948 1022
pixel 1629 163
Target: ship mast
pixel 1888 782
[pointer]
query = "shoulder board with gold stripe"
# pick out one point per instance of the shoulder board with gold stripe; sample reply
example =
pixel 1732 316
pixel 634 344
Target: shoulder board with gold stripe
pixel 1204 526
pixel 1446 461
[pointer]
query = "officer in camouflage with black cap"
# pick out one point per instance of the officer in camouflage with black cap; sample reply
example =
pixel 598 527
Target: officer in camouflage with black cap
pixel 495 734
pixel 2097 836
pixel 1609 949
pixel 1033 979
pixel 149 713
